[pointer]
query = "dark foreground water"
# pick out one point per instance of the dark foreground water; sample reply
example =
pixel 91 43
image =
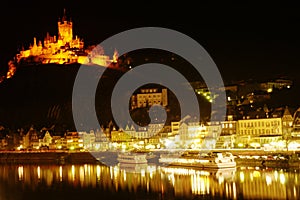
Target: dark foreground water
pixel 72 182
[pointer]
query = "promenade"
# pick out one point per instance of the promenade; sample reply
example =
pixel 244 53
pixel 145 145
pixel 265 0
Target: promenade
pixel 36 157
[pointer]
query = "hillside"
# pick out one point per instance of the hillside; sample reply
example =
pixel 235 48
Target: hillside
pixel 40 95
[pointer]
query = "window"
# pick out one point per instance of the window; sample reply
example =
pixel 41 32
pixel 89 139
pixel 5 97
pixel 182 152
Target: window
pixel 284 123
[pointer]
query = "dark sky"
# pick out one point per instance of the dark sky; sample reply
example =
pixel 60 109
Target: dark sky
pixel 246 41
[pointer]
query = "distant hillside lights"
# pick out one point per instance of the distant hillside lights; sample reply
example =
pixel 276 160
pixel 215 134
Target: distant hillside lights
pixel 64 49
pixel 11 69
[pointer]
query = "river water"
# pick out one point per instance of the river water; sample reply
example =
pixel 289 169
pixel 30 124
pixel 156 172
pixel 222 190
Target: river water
pixel 43 182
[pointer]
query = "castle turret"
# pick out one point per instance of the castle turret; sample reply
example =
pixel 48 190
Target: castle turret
pixel 34 41
pixel 65 30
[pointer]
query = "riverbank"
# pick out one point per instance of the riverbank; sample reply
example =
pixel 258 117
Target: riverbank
pixel 268 163
pixel 110 158
pixel 47 158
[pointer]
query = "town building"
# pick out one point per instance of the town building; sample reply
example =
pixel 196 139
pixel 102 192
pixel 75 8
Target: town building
pixel 147 97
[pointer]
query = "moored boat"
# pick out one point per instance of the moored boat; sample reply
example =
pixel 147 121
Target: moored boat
pixel 206 160
pixel 132 158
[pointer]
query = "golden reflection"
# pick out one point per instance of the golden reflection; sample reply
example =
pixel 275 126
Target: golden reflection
pixel 179 182
pixel 221 180
pixel 39 172
pixel 282 178
pixel 226 189
pixel 268 180
pixel 276 175
pixel 234 190
pixel 256 174
pixel 60 173
pixel 200 184
pixel 81 174
pixel 242 177
pixel 20 173
pixel 251 176
pixel 124 175
pixel 73 172
pixel 98 172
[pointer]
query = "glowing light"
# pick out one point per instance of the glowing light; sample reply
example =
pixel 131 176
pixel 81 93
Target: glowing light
pixel 11 69
pixel 20 147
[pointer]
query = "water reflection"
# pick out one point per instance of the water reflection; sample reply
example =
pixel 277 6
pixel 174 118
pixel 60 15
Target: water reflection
pixel 151 181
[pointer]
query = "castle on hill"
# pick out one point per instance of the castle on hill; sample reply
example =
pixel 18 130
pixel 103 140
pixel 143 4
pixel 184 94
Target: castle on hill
pixel 64 49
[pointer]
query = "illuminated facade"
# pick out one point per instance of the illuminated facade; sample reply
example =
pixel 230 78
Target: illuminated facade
pixel 257 132
pixel 149 97
pixel 64 49
pixel 260 127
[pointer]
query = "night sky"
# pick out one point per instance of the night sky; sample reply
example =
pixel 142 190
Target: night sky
pixel 244 41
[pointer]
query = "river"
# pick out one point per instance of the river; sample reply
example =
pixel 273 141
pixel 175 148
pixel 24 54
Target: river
pixel 96 181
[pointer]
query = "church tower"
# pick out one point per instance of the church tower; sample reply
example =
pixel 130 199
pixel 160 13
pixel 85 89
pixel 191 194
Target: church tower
pixel 65 30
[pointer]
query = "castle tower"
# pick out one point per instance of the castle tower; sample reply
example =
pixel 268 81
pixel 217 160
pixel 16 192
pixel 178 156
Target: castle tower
pixel 65 30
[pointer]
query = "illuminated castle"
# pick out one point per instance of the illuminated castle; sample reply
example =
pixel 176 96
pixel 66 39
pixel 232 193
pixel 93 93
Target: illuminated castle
pixel 64 49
